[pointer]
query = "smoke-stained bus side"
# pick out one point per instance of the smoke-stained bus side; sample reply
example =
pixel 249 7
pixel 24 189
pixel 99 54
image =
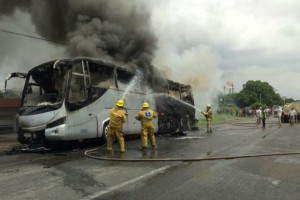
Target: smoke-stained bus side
pixel 175 106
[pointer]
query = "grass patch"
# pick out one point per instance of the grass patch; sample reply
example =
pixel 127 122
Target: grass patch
pixel 217 118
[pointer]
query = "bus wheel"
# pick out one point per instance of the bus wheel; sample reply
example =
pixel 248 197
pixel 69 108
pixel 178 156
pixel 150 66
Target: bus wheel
pixel 104 132
pixel 177 126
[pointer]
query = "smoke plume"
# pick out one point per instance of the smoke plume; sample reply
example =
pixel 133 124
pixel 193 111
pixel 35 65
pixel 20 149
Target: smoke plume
pixel 117 31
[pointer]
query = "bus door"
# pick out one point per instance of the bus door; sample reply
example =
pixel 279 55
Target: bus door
pixel 82 116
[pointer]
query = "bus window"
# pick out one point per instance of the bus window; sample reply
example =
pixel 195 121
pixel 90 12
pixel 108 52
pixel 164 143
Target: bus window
pixel 60 79
pixel 102 78
pixel 33 94
pixel 174 91
pixel 129 82
pixel 77 97
pixel 45 85
pixel 186 95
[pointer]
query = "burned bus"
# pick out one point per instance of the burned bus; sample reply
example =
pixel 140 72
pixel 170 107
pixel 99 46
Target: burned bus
pixel 70 99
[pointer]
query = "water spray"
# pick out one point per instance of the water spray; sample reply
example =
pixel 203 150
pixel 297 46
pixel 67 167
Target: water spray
pixel 135 82
pixel 175 98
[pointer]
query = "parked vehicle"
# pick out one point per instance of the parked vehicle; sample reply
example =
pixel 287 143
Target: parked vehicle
pixel 274 110
pixel 286 110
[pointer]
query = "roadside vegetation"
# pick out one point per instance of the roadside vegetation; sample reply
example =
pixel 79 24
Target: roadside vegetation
pixel 217 118
pixel 257 94
pixel 11 94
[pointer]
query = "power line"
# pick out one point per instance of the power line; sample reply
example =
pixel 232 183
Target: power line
pixel 32 37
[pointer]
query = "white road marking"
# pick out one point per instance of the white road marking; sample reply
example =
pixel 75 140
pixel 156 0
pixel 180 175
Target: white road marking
pixel 116 187
pixel 189 137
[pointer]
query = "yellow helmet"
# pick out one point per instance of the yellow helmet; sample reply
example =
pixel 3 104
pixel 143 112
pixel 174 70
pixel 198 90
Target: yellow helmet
pixel 208 105
pixel 120 103
pixel 145 105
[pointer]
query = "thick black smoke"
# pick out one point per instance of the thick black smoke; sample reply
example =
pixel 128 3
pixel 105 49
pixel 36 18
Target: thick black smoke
pixel 117 31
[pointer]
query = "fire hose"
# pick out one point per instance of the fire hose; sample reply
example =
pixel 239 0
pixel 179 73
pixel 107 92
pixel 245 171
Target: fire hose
pixel 86 153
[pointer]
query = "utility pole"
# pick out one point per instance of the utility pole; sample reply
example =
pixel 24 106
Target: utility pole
pixel 284 98
pixel 232 90
pixel 224 93
pixel 260 98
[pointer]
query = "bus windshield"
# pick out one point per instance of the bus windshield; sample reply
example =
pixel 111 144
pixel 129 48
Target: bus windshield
pixel 46 85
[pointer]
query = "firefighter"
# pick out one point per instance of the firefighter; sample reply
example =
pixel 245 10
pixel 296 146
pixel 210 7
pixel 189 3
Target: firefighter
pixel 146 117
pixel 208 116
pixel 117 119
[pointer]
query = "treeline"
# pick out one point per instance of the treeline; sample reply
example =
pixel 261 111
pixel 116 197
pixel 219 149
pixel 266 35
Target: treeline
pixel 257 94
pixel 10 94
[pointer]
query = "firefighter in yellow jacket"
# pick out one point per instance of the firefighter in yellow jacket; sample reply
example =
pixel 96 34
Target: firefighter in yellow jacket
pixel 117 119
pixel 146 117
pixel 208 116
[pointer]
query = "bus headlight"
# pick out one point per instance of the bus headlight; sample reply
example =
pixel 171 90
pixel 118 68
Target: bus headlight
pixel 57 122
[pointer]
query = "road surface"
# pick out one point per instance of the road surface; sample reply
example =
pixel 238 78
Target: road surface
pixel 72 175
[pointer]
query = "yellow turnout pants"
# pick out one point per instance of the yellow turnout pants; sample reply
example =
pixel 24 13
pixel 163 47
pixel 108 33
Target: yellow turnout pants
pixel 147 130
pixel 111 134
pixel 209 125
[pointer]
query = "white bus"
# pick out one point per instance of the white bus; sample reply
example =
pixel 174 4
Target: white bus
pixel 70 99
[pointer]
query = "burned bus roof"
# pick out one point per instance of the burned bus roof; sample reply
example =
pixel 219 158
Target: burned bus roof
pixel 178 84
pixel 99 61
pixel 69 61
pixel 170 83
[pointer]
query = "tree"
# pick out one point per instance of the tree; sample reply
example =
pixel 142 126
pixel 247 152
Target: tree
pixel 1 94
pixel 289 100
pixel 11 94
pixel 257 92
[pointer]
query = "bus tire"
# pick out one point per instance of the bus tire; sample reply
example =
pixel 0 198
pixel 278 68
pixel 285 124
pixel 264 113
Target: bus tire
pixel 104 132
pixel 177 126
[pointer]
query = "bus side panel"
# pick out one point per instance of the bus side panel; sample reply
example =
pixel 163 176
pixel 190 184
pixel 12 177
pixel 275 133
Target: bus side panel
pixel 88 129
pixel 133 104
pixel 83 123
pixel 103 106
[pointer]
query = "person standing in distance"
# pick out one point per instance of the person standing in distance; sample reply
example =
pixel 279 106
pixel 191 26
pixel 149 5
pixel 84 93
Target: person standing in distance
pixel 208 116
pixel 146 116
pixel 293 116
pixel 279 114
pixel 263 117
pixel 258 115
pixel 117 118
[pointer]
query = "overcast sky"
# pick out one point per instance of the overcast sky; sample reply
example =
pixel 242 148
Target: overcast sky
pixel 204 43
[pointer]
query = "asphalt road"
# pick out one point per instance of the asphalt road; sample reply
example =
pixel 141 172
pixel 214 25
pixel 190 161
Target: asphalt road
pixel 72 175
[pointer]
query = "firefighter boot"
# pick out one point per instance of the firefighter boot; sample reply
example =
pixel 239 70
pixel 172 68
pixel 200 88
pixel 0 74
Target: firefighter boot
pixel 154 148
pixel 144 149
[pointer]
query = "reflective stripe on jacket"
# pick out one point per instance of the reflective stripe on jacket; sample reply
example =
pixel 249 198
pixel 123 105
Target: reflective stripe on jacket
pixel 146 116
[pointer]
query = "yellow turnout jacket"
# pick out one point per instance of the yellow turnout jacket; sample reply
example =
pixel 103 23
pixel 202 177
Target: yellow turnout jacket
pixel 146 116
pixel 117 117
